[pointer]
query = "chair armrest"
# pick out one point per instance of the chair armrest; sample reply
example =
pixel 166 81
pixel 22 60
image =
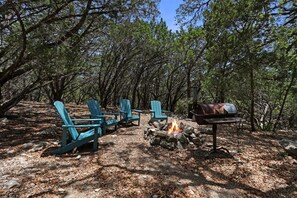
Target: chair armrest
pixel 152 111
pixel 136 110
pixel 165 111
pixel 97 116
pixel 87 119
pixel 81 126
pixel 110 113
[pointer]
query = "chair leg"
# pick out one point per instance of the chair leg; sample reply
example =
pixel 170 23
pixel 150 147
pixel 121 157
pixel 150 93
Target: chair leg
pixel 104 128
pixel 95 144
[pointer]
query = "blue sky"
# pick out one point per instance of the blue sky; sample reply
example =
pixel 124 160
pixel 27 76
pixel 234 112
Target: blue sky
pixel 168 12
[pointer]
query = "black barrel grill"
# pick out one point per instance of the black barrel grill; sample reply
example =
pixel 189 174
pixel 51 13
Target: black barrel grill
pixel 214 114
pixel 216 111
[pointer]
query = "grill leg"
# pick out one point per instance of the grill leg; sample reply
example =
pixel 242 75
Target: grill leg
pixel 214 137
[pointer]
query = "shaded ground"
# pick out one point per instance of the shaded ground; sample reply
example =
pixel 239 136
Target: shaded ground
pixel 127 166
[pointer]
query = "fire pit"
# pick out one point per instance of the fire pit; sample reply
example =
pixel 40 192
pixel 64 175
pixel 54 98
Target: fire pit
pixel 172 135
pixel 214 114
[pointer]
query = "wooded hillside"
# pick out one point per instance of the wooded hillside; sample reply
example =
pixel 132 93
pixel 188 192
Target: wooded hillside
pixel 234 51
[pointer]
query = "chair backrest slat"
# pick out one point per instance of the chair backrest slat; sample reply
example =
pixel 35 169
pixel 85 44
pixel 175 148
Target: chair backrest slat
pixel 66 118
pixel 156 107
pixel 94 108
pixel 126 107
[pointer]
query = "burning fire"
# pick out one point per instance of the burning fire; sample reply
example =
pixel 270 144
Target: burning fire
pixel 174 128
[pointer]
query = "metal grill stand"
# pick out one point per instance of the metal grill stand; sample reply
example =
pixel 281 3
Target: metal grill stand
pixel 214 114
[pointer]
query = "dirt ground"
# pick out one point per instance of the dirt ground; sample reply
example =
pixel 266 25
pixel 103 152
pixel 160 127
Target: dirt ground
pixel 127 166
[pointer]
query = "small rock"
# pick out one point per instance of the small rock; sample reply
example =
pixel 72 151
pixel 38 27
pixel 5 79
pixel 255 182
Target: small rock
pixel 10 151
pixel 290 146
pixel 37 149
pixel 193 135
pixel 196 141
pixel 179 146
pixel 122 129
pixel 78 157
pixel 156 125
pixel 206 130
pixel 181 138
pixel 49 131
pixel 171 138
pixel 197 132
pixel 12 183
pixel 161 133
pixel 52 165
pixel 155 141
pixel 44 180
pixel 61 190
pixel 153 130
pixel 4 121
pixel 32 184
pixel 97 189
pixel 28 145
pixel 166 145
pixel 189 130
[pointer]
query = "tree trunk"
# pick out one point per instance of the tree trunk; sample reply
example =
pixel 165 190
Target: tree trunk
pixel 253 128
pixel 285 99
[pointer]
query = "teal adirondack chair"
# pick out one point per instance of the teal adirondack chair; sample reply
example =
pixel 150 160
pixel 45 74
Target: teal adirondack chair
pixel 96 112
pixel 126 113
pixel 157 112
pixel 76 139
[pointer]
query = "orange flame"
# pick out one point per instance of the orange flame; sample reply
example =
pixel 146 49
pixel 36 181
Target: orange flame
pixel 174 127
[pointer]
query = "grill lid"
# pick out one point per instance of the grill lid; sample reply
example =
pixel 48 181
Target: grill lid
pixel 213 110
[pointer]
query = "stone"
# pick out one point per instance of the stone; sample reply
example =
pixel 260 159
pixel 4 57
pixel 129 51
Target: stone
pixel 165 126
pixel 179 146
pixel 197 132
pixel 156 124
pixel 61 190
pixel 11 184
pixel 166 145
pixel 44 180
pixel 155 141
pixel 181 138
pixel 196 141
pixel 189 130
pixel 37 149
pixel 161 134
pixel 152 131
pixel 206 131
pixel 182 125
pixel 122 129
pixel 78 157
pixel 28 145
pixel 4 121
pixel 49 131
pixel 11 151
pixel 290 146
pixel 97 189
pixel 193 136
pixel 171 138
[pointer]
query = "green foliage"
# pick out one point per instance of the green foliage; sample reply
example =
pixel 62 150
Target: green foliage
pixel 182 106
